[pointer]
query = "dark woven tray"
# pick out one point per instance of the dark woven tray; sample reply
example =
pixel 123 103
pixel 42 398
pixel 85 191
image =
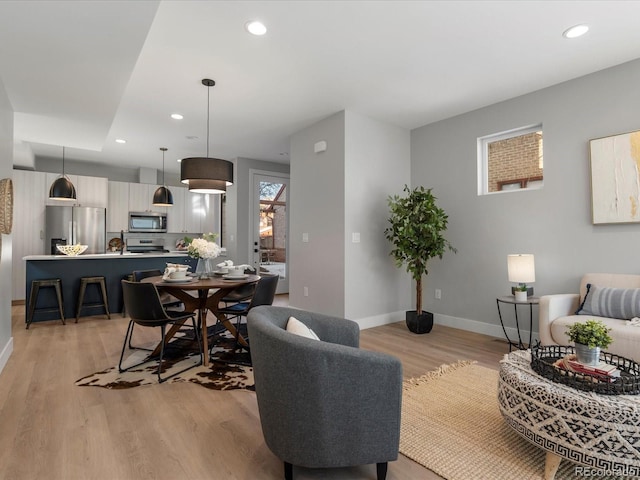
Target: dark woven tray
pixel 542 359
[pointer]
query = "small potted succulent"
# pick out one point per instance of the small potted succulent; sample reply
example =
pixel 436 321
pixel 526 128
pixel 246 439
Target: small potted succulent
pixel 520 292
pixel 589 337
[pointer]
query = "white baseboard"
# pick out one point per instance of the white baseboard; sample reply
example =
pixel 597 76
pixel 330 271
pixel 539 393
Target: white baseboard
pixel 384 319
pixel 491 330
pixel 484 328
pixel 6 352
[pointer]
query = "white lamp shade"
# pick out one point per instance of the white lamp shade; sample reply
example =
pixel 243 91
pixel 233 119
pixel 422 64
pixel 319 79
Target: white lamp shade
pixel 521 268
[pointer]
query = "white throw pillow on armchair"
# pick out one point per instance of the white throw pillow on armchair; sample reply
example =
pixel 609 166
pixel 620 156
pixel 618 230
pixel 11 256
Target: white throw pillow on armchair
pixel 296 327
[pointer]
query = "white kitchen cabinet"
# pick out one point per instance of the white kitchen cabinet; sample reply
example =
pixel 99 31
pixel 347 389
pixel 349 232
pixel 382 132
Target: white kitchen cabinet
pixel 27 236
pixel 211 214
pixel 90 191
pixel 186 213
pixel 118 207
pixel 141 198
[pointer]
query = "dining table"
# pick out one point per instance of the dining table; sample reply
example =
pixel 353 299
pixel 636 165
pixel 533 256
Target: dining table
pixel 182 290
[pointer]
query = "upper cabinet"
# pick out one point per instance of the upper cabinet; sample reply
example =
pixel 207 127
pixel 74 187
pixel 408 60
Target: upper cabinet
pixel 90 191
pixel 185 214
pixel 118 207
pixel 141 198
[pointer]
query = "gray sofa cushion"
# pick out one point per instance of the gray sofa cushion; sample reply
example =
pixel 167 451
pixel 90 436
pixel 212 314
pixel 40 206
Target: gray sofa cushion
pixel 622 303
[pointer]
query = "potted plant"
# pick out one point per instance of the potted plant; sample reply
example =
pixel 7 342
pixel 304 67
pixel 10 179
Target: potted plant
pixel 589 337
pixel 416 232
pixel 521 292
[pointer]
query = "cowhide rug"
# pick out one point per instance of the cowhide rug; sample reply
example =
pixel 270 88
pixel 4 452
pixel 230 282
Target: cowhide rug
pixel 228 369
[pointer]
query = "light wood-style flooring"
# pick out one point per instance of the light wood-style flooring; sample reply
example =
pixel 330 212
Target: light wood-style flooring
pixel 51 429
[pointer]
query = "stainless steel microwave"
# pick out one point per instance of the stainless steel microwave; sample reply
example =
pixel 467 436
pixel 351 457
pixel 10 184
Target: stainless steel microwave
pixel 147 222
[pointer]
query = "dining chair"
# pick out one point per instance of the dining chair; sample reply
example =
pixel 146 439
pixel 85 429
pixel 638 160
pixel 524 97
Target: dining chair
pixel 264 293
pixel 145 309
pixel 167 299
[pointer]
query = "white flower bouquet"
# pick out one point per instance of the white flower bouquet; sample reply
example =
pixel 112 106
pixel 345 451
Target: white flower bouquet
pixel 204 247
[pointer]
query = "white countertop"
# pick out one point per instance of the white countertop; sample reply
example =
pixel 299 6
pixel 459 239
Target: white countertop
pixel 105 256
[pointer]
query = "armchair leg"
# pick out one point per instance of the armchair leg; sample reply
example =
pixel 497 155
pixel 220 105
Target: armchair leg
pixel 382 470
pixel 288 471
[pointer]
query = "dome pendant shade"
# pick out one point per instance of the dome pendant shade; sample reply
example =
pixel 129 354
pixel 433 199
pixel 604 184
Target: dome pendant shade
pixel 62 189
pixel 208 186
pixel 163 197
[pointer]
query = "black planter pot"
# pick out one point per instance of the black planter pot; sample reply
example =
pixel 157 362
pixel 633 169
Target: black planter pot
pixel 422 323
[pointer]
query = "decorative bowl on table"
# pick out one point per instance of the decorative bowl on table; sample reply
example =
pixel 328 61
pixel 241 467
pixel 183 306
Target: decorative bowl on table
pixel 72 250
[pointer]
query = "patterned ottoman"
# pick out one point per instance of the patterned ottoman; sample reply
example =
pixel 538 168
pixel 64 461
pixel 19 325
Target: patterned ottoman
pixel 601 432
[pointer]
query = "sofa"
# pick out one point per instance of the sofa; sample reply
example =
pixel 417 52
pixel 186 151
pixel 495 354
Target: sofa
pixel 612 298
pixel 323 403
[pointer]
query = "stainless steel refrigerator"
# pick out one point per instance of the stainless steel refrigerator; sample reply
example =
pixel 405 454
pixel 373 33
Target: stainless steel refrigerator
pixel 71 225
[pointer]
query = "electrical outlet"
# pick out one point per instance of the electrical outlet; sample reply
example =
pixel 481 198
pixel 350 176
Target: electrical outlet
pixel 438 294
pixel 306 291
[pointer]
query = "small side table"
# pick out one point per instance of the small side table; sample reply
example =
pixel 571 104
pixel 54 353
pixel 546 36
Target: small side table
pixel 531 301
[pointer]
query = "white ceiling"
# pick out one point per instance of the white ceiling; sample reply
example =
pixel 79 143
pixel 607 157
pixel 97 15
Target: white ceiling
pixel 83 73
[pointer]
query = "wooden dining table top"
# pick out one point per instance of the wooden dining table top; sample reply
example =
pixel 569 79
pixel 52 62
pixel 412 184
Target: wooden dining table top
pixel 203 283
pixel 202 302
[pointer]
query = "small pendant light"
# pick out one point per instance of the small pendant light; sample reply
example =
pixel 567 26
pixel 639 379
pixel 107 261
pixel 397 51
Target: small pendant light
pixel 62 188
pixel 163 197
pixel 206 174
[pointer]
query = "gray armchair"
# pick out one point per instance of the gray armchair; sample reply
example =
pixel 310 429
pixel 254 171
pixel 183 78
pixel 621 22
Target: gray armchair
pixel 324 403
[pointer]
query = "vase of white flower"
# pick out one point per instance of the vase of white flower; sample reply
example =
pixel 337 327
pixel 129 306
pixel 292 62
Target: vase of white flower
pixel 205 249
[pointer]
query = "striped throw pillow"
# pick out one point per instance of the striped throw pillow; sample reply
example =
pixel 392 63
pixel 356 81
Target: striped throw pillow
pixel 622 303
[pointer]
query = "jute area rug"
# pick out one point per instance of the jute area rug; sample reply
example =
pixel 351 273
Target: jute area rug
pixel 228 369
pixel 451 424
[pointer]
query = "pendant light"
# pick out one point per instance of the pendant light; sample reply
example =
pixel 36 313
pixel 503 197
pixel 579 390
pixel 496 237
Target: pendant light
pixel 162 196
pixel 62 188
pixel 205 174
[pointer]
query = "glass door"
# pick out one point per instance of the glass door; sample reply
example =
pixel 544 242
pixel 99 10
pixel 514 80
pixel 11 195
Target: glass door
pixel 270 227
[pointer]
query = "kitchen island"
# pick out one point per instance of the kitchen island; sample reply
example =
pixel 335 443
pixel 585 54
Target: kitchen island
pixel 113 266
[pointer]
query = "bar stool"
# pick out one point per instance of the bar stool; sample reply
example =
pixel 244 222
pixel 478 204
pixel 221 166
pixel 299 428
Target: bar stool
pixel 36 285
pixel 98 282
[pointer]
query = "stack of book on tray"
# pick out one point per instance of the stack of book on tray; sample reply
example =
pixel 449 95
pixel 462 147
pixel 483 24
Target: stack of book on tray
pixel 602 371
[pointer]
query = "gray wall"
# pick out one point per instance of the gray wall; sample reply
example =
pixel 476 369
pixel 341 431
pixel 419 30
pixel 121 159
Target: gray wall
pixel 377 164
pixel 6 167
pixel 317 209
pixel 554 223
pixel 335 194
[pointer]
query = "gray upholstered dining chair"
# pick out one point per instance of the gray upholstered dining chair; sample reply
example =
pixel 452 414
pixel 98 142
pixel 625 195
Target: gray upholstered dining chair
pixel 324 403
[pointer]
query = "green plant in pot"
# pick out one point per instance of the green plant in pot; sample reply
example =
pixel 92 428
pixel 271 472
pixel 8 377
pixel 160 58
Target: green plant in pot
pixel 589 337
pixel 416 232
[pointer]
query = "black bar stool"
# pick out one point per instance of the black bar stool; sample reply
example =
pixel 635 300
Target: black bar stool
pixel 36 285
pixel 98 282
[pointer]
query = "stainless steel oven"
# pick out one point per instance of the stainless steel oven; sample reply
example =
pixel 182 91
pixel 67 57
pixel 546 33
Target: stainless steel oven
pixel 147 222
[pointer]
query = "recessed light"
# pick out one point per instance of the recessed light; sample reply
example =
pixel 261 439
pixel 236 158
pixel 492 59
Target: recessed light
pixel 120 140
pixel 176 116
pixel 255 28
pixel 575 31
pixel 179 160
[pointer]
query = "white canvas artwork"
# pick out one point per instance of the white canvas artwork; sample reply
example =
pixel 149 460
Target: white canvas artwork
pixel 615 178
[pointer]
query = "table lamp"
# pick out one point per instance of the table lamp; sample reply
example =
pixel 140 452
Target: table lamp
pixel 521 269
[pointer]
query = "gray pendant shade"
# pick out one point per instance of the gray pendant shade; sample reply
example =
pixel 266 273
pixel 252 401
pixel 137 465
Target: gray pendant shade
pixel 208 173
pixel 163 197
pixel 62 188
pixel 208 186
